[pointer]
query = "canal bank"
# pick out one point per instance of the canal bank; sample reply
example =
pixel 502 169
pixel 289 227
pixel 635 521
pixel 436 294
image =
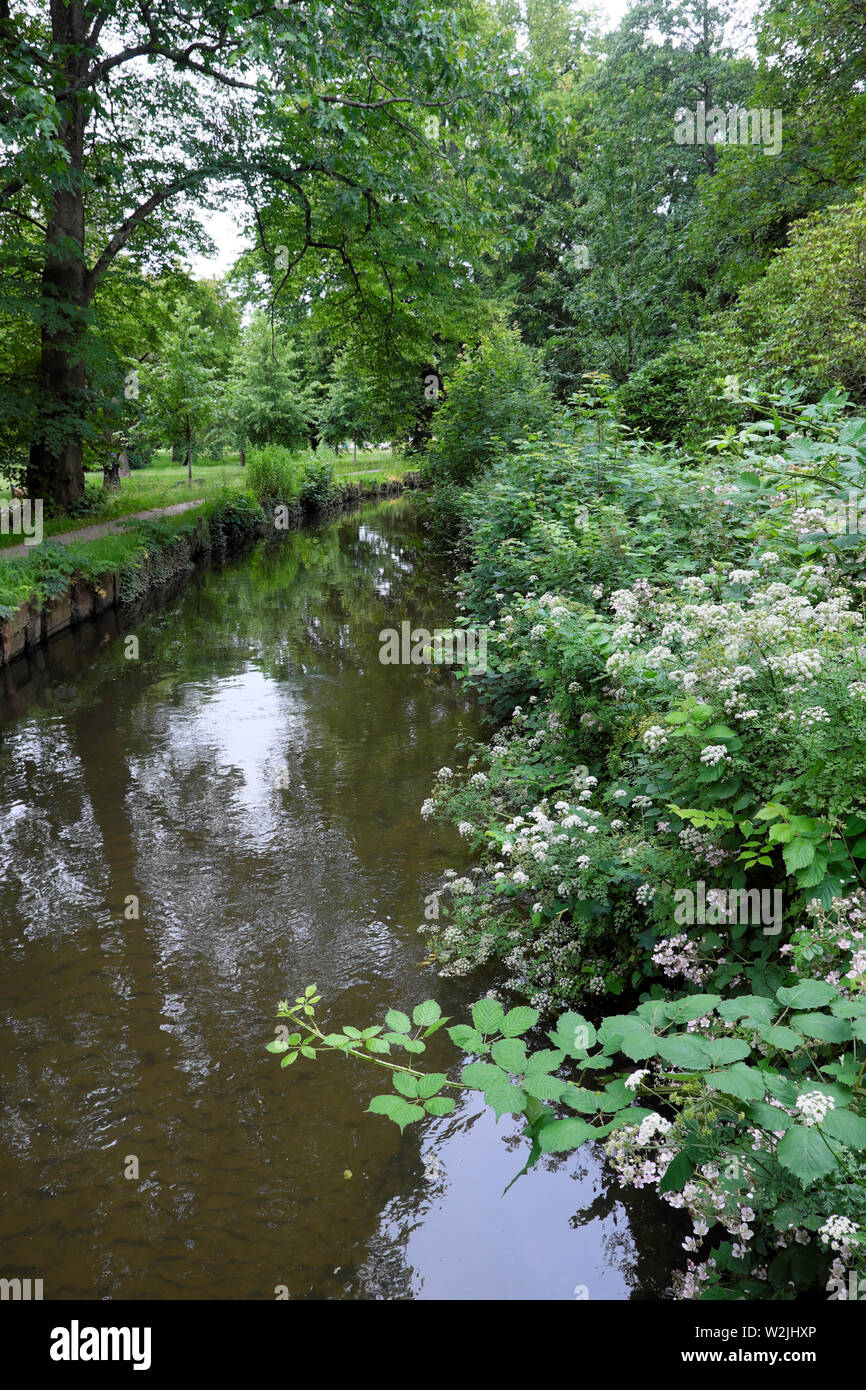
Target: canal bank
pixel 69 581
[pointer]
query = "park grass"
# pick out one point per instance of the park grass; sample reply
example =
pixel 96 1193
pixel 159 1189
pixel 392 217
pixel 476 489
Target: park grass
pixel 164 484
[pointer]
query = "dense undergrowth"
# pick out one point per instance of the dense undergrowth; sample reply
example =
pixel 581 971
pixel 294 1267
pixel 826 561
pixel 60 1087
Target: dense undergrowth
pixel 670 816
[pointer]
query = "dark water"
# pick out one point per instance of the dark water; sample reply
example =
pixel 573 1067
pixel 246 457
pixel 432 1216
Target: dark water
pixel 144 1039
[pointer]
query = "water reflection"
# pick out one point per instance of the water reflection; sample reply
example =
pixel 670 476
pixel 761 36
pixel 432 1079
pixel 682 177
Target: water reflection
pixel 190 836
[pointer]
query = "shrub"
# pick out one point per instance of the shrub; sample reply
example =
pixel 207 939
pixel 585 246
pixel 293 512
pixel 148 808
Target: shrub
pixel 497 395
pixel 274 473
pixel 317 485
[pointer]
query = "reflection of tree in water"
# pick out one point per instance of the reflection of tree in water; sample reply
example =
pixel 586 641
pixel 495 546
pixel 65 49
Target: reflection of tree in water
pixel 642 1237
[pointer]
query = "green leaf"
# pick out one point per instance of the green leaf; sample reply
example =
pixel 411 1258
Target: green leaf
pixel 677 1174
pixel 289 1058
pixel 573 1035
pixel 426 1013
pixel 848 1008
pixel 804 1152
pixel 509 1053
pixel 487 1015
pixel 723 1051
pixel 469 1039
pixel 769 1117
pixel 518 1021
pixel 547 1059
pixel 579 1098
pixel 809 994
pixel 690 1007
pixel 278 1045
pixel 431 1083
pixel 627 1033
pixel 414 1045
pixel 439 1105
pixel 780 1036
pixel 823 1027
pixel 504 1098
pixel 397 1022
pixel 481 1074
pixel 798 854
pixel 751 1006
pixel 308 1052
pixel 565 1134
pixel 396 1109
pixel 406 1084
pixel 684 1050
pixel 544 1087
pixel 745 1083
pixel 848 1128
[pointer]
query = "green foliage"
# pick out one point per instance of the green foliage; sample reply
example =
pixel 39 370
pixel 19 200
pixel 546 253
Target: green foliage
pixel 274 473
pixel 496 396
pixel 774 1143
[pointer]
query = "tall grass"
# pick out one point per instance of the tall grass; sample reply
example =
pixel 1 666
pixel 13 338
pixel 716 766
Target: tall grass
pixel 274 473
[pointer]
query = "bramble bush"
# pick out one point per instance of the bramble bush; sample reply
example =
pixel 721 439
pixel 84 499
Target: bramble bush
pixel 676 663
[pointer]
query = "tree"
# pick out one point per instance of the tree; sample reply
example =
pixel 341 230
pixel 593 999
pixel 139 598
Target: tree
pixel 267 404
pixel 178 391
pixel 323 109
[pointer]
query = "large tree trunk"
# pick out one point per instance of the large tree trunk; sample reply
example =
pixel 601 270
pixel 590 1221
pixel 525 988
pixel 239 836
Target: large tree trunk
pixel 55 469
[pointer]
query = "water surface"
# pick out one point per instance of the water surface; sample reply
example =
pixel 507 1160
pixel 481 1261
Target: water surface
pixel 253 782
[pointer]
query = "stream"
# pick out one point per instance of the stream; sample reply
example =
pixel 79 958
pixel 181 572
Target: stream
pixel 250 787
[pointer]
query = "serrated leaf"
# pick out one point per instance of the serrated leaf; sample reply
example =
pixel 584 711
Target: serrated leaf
pixel 573 1035
pixel 798 854
pixel 780 1036
pixel 745 1083
pixel 724 1051
pixel 469 1039
pixel 562 1135
pixel 692 1006
pixel 487 1015
pixel 396 1109
pixel 518 1021
pixel 505 1098
pixel 546 1060
pixel 683 1050
pixel 542 1086
pixel 823 1027
pixel 804 1152
pixel 848 1128
pixel 397 1021
pixel 406 1084
pixel 481 1074
pixel 808 994
pixel 431 1083
pixel 439 1105
pixel 510 1054
pixel 580 1099
pixel 769 1117
pixel 426 1013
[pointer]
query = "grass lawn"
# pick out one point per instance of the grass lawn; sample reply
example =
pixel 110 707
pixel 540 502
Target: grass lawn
pixel 164 484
